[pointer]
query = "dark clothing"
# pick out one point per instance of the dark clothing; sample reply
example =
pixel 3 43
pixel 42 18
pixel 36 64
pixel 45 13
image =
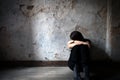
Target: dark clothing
pixel 85 72
pixel 79 55
pixel 79 61
pixel 76 73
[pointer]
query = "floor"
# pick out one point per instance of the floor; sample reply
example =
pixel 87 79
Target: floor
pixel 51 73
pixel 37 73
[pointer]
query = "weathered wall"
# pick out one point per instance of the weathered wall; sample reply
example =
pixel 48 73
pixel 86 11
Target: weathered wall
pixel 39 29
pixel 115 30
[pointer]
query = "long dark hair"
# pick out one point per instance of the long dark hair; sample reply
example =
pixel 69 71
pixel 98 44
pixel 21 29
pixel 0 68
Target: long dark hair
pixel 76 35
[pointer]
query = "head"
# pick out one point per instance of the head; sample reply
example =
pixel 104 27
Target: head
pixel 76 35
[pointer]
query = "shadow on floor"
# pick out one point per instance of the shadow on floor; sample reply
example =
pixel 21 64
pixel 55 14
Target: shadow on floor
pixel 105 71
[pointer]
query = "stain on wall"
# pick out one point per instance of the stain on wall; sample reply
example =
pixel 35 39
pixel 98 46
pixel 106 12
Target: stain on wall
pixel 40 29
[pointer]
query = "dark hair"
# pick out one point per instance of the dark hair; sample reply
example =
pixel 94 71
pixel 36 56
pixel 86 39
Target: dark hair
pixel 76 35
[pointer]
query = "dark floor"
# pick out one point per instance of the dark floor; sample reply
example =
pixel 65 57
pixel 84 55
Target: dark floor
pixel 57 73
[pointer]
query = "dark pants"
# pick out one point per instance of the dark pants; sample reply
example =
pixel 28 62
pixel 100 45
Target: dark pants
pixel 82 59
pixel 84 75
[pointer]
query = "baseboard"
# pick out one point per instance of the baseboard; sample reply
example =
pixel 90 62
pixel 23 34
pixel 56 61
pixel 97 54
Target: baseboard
pixel 52 63
pixel 32 63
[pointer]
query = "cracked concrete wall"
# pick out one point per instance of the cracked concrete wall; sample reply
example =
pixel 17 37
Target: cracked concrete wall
pixel 40 29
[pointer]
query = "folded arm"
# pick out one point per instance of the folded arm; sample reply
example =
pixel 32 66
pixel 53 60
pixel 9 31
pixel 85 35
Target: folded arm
pixel 73 43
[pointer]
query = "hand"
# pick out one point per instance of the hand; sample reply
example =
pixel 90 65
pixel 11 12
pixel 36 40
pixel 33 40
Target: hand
pixel 87 43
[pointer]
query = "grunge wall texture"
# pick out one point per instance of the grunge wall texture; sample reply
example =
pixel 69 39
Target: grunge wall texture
pixel 38 30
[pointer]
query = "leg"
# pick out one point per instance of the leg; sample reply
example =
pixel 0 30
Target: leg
pixel 85 62
pixel 86 72
pixel 76 73
pixel 73 57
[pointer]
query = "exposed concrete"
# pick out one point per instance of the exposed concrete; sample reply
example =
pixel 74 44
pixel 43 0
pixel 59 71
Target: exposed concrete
pixel 56 73
pixel 39 29
pixel 37 73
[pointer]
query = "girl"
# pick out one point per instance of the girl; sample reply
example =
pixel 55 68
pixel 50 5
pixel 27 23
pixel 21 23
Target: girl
pixel 79 57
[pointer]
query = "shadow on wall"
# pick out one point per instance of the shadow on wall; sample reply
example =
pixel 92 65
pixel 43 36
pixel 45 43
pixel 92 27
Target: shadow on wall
pixel 98 54
pixel 115 29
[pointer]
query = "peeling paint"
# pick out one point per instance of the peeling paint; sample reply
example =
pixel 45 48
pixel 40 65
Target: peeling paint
pixel 30 7
pixel 56 55
pixel 46 58
pixel 103 13
pixel 30 55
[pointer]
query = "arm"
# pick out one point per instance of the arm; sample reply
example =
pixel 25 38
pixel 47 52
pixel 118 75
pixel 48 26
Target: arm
pixel 73 43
